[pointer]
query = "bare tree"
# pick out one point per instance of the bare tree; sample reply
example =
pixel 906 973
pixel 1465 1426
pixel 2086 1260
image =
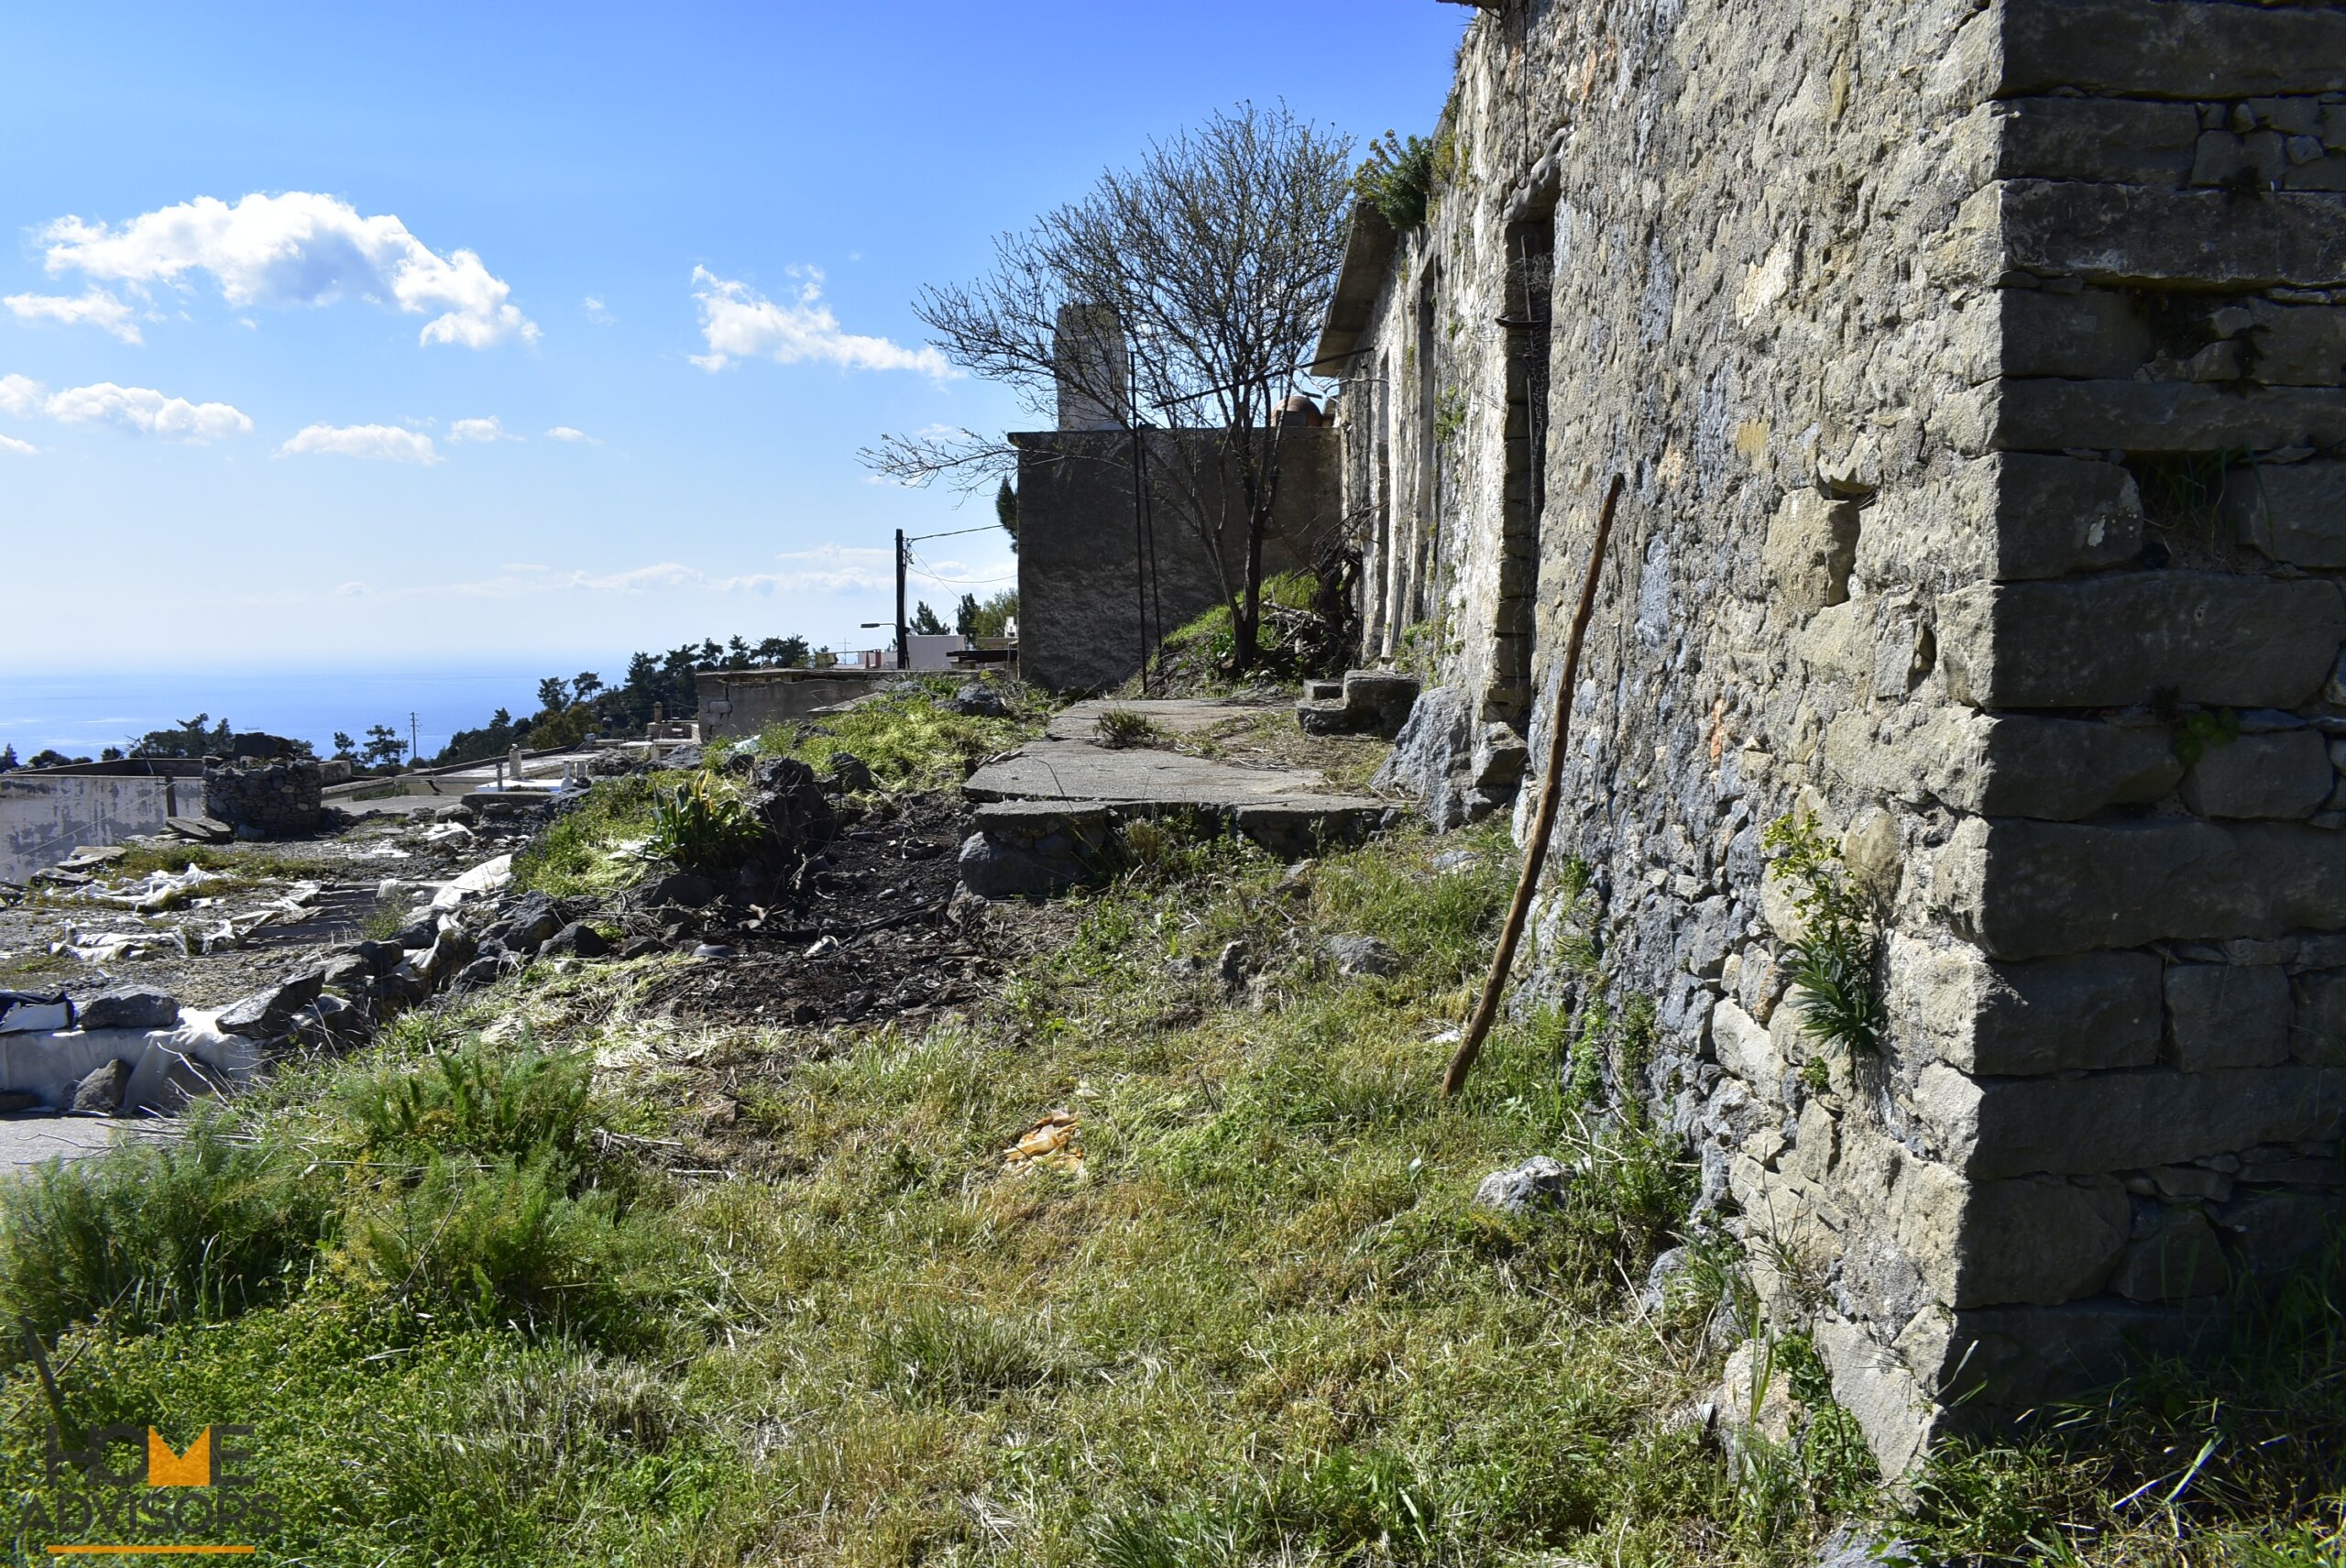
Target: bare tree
pixel 1213 262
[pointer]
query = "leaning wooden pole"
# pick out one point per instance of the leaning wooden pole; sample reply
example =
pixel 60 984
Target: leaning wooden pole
pixel 1543 824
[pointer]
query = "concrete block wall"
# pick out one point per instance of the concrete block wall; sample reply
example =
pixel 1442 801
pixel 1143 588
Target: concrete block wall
pixel 1979 376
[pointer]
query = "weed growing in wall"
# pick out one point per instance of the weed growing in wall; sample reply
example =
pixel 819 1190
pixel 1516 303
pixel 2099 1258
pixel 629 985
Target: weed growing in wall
pixel 1834 962
pixel 701 825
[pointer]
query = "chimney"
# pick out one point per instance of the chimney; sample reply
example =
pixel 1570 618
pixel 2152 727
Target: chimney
pixel 1095 391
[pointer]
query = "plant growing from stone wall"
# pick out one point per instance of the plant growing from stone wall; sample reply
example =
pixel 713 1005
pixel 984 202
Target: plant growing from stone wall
pixel 701 826
pixel 1835 961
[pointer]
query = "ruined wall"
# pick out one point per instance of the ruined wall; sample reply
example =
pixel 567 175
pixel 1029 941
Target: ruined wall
pixel 1976 372
pixel 739 704
pixel 1079 610
pixel 45 816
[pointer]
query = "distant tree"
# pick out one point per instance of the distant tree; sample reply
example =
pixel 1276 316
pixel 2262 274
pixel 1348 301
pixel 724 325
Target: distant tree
pixel 992 617
pixel 965 616
pixel 583 685
pixel 110 754
pixel 553 696
pixel 188 738
pixel 643 669
pixel 384 747
pixel 711 655
pixel 345 746
pixel 8 764
pixel 782 652
pixel 925 621
pixel 1005 512
pixel 736 654
pixel 53 758
pixel 1214 261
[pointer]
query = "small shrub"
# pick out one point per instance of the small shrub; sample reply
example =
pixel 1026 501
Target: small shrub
pixel 196 1231
pixel 1396 178
pixel 1122 727
pixel 475 1102
pixel 702 826
pixel 1835 964
pixel 579 853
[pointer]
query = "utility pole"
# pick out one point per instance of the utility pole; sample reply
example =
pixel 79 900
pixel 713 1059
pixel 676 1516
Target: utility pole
pixel 410 738
pixel 903 634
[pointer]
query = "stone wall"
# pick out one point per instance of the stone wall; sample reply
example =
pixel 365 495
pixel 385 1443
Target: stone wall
pixel 1079 605
pixel 47 814
pixel 265 800
pixel 1976 372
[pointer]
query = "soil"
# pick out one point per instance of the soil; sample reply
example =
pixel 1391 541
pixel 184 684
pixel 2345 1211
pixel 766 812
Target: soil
pixel 878 934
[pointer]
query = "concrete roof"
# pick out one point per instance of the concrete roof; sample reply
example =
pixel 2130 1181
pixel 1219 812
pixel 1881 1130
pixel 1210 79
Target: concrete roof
pixel 1369 259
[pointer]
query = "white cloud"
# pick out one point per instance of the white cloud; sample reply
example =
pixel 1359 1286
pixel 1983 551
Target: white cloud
pixel 740 323
pixel 149 412
pixel 380 443
pixel 9 444
pixel 563 433
pixel 99 308
pixel 593 305
pixel 300 249
pixel 19 394
pixel 488 429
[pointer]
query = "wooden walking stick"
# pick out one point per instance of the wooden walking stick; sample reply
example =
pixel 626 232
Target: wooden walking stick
pixel 1535 854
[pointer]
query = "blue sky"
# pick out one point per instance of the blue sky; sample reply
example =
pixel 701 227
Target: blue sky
pixel 273 267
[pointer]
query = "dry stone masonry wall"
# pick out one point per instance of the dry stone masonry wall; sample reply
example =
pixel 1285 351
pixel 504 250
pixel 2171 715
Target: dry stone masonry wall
pixel 1979 376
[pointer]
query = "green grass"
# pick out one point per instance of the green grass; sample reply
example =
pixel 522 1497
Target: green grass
pixel 486 1302
pixel 586 850
pixel 910 737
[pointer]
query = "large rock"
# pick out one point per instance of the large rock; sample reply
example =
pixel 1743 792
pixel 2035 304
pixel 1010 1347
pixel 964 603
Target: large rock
pixel 2294 512
pixel 1037 849
pixel 267 1013
pixel 682 889
pixel 131 1007
pixel 2040 1240
pixel 787 800
pixel 578 940
pixel 99 1093
pixel 1520 1189
pixel 2003 764
pixel 2125 49
pixel 1433 760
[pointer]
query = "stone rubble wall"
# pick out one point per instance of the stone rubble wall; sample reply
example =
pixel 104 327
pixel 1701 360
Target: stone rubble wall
pixel 1977 374
pixel 268 800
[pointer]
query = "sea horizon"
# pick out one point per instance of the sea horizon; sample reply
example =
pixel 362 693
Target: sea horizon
pixel 80 713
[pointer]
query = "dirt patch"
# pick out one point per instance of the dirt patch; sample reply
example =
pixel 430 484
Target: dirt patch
pixel 874 933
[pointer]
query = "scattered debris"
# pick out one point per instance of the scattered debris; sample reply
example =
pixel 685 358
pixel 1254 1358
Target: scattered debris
pixel 1053 1143
pixel 22 1012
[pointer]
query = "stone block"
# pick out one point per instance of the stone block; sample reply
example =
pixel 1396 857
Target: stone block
pixel 2220 1016
pixel 2003 518
pixel 1812 544
pixel 2284 776
pixel 2003 766
pixel 2162 49
pixel 2094 334
pixel 2154 417
pixel 269 1012
pixel 2295 512
pixel 130 1007
pixel 2127 141
pixel 2115 641
pixel 1035 849
pixel 2025 890
pixel 2089 1012
pixel 2179 1258
pixel 2294 345
pixel 2318 1017
pixel 2000 1360
pixel 2122 1120
pixel 2275 1231
pixel 2039 1240
pixel 1746 1050
pixel 2133 236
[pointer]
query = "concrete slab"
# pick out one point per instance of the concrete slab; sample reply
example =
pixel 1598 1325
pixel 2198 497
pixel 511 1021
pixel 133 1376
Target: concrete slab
pixel 28 1140
pixel 1183 715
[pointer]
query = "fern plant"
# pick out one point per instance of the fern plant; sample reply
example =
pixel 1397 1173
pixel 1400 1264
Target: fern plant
pixel 1835 961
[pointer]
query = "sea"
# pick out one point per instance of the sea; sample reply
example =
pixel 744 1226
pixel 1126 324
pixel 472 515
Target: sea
pixel 79 714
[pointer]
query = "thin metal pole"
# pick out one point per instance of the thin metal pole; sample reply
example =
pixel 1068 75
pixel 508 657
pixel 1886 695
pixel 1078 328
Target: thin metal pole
pixel 1140 539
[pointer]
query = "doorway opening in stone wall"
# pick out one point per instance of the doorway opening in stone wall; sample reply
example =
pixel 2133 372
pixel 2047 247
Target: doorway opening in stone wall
pixel 1528 322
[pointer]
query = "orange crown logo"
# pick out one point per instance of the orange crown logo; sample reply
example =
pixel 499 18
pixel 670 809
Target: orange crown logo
pixel 165 1468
